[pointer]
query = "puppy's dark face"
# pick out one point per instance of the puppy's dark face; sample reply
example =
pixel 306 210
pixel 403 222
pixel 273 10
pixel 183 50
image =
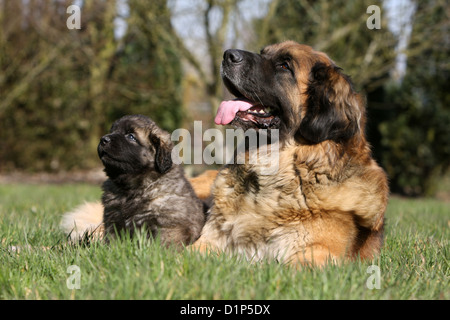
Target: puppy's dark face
pixel 134 146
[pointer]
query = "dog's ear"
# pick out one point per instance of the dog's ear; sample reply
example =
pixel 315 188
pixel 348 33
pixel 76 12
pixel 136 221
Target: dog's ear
pixel 333 110
pixel 163 156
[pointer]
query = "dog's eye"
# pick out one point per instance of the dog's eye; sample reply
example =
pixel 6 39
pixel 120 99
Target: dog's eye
pixel 131 137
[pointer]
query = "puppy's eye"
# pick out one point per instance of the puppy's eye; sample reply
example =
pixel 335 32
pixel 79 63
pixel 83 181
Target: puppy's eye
pixel 284 66
pixel 131 137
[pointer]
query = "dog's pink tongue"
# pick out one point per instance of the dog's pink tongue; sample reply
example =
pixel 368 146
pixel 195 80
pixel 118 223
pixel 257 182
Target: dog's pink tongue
pixel 228 109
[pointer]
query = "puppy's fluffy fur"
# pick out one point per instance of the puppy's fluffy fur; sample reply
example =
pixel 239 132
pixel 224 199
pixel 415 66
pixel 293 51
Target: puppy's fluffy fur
pixel 85 220
pixel 144 190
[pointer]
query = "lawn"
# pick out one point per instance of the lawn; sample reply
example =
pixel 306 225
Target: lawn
pixel 414 263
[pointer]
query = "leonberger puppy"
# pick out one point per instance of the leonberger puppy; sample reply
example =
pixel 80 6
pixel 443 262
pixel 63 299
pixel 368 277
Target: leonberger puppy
pixel 326 200
pixel 145 190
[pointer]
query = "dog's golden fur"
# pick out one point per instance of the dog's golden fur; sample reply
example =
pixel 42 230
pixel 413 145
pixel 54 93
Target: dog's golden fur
pixel 204 183
pixel 327 200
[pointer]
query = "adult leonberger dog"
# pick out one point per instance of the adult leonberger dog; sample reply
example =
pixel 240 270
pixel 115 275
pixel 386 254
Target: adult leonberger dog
pixel 327 199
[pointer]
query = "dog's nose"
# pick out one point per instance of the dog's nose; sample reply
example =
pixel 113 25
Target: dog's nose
pixel 233 56
pixel 105 140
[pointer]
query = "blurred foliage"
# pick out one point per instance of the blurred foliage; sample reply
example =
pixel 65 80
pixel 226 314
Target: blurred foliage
pixel 61 89
pixel 150 77
pixel 337 28
pixel 415 127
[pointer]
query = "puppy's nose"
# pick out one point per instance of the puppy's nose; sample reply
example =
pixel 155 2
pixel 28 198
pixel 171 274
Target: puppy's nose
pixel 105 140
pixel 233 56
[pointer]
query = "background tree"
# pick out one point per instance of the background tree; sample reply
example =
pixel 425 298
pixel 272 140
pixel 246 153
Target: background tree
pixel 215 18
pixel 337 28
pixel 61 89
pixel 415 134
pixel 41 87
pixel 147 74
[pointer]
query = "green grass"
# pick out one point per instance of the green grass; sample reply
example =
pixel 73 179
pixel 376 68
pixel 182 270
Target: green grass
pixel 414 263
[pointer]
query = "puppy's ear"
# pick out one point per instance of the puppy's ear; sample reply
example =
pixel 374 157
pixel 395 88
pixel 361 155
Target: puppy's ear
pixel 333 110
pixel 163 157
